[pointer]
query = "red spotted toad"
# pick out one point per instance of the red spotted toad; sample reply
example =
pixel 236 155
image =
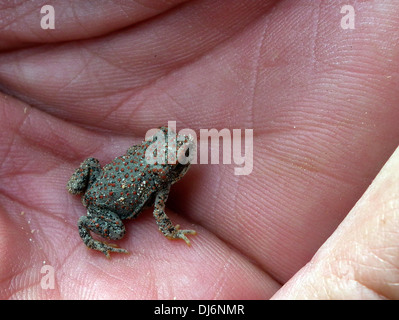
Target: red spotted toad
pixel 130 183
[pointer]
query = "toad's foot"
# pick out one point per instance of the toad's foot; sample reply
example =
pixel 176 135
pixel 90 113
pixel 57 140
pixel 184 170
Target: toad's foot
pixel 105 248
pixel 164 224
pixel 175 233
pixel 108 225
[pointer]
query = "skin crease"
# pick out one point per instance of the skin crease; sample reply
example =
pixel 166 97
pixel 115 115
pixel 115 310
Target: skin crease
pixel 322 101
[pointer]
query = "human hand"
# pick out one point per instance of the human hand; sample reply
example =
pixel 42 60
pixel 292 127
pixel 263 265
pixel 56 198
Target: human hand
pixel 322 103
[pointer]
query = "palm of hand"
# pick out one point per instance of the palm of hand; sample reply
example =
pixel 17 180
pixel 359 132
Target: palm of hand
pixel 95 93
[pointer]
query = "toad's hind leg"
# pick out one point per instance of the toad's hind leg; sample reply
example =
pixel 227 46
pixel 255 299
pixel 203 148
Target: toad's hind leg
pixel 165 225
pixel 84 176
pixel 106 224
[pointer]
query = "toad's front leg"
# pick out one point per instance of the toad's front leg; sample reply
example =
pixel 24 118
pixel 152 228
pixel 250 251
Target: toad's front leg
pixel 106 224
pixel 165 225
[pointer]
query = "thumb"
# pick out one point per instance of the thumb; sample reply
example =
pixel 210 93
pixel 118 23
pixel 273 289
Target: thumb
pixel 361 259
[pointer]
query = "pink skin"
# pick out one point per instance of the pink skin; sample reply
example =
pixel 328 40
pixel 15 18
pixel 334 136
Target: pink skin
pixel 323 103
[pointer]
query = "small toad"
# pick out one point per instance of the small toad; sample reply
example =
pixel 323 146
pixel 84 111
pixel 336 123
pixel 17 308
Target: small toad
pixel 130 183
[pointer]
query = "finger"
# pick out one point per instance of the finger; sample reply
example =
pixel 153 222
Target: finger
pixel 361 259
pixel 73 20
pixel 92 80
